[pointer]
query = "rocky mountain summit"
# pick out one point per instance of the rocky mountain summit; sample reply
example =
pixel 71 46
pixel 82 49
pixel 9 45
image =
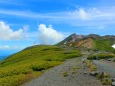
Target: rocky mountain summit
pixel 91 41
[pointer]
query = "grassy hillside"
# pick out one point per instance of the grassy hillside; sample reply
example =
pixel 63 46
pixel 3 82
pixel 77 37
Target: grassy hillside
pixel 103 44
pixel 31 62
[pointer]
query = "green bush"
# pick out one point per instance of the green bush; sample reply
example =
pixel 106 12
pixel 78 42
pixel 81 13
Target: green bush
pixel 106 82
pixel 100 56
pixel 104 78
pixel 91 66
pixel 65 74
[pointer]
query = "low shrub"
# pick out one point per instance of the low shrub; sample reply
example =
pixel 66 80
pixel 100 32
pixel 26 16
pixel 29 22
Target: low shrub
pixel 65 74
pixel 100 56
pixel 106 82
pixel 104 78
pixel 91 66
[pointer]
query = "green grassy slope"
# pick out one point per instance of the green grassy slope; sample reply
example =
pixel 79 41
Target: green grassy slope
pixel 31 62
pixel 103 44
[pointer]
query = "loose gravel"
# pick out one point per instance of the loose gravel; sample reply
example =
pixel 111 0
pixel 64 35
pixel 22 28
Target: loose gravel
pixel 74 69
pixel 106 66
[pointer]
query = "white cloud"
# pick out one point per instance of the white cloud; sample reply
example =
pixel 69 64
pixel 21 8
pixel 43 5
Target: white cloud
pixel 8 47
pixel 101 27
pixel 95 17
pixel 6 33
pixel 25 31
pixel 83 14
pixel 26 14
pixel 5 47
pixel 48 35
pixel 113 46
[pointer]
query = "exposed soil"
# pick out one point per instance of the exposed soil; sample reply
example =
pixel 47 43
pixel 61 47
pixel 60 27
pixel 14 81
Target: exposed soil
pixel 86 43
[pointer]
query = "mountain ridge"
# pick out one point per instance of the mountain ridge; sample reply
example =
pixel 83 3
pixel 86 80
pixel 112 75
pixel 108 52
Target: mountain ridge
pixel 32 61
pixel 91 41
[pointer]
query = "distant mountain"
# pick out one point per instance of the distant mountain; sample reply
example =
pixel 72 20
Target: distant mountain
pixel 71 39
pixel 91 41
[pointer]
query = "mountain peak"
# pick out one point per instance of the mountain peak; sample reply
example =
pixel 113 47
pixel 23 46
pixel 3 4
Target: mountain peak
pixel 71 39
pixel 91 41
pixel 74 34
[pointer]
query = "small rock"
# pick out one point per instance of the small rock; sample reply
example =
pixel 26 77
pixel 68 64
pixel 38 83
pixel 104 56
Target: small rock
pixel 108 59
pixel 94 73
pixel 113 84
pixel 85 73
pixel 113 60
pixel 84 62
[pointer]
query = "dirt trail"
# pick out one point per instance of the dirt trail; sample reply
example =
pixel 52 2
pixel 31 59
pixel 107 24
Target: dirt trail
pixel 73 70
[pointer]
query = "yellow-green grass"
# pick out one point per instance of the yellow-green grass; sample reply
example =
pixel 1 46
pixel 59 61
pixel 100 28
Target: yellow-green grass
pixel 65 74
pixel 91 66
pixel 31 62
pixel 103 44
pixel 104 78
pixel 101 56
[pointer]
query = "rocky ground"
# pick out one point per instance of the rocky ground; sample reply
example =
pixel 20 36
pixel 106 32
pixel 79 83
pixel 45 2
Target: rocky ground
pixel 71 73
pixel 106 66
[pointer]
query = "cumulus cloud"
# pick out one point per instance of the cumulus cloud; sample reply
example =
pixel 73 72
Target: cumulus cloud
pixel 5 47
pixel 6 33
pixel 48 35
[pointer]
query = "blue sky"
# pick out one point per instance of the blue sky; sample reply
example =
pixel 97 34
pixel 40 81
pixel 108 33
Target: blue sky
pixel 28 22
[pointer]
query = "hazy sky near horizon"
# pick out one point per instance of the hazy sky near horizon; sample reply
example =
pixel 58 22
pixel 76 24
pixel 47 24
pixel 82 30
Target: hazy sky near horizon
pixel 28 22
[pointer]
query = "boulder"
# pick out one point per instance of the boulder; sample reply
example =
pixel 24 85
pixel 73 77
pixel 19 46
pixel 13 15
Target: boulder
pixel 85 73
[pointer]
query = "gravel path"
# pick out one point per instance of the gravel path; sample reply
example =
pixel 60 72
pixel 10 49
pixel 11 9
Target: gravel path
pixel 106 66
pixel 74 69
